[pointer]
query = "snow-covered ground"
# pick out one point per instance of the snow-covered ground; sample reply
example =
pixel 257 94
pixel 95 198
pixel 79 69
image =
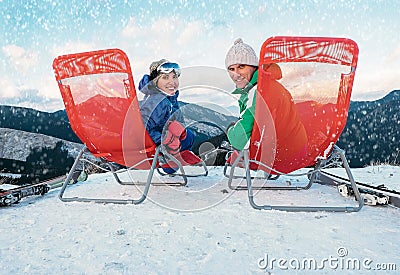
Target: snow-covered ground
pixel 203 228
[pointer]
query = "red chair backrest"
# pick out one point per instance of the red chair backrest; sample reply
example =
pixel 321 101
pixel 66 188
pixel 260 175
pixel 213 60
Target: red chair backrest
pixel 321 98
pixel 101 103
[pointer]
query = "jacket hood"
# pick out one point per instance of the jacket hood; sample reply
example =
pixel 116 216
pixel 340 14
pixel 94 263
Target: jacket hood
pixel 274 70
pixel 150 89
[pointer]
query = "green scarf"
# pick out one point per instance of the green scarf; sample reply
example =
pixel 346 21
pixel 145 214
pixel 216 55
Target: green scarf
pixel 245 91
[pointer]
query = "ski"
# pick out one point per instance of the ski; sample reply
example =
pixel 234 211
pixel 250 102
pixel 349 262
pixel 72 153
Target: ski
pixel 14 195
pixel 372 195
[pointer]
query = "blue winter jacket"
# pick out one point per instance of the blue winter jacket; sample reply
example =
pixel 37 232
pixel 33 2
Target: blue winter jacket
pixel 157 108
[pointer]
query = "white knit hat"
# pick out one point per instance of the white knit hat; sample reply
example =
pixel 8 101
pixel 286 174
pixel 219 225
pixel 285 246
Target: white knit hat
pixel 241 53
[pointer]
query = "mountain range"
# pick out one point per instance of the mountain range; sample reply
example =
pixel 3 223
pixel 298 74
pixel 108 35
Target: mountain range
pixel 371 135
pixel 372 132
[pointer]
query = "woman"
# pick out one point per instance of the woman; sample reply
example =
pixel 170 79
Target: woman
pixel 160 109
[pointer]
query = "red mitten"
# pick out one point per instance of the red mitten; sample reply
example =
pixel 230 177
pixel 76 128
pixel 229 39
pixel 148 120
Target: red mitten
pixel 177 129
pixel 171 142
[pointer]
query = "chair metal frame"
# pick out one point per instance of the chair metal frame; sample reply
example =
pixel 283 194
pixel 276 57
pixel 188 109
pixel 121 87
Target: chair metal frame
pixel 244 156
pixel 105 62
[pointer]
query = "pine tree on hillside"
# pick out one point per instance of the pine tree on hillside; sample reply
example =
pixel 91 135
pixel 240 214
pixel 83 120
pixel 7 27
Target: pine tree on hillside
pixel 46 163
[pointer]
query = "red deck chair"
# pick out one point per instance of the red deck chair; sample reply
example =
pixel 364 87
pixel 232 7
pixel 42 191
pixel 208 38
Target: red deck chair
pixel 319 74
pixel 101 103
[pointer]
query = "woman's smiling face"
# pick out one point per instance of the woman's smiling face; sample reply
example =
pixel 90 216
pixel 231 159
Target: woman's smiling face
pixel 168 83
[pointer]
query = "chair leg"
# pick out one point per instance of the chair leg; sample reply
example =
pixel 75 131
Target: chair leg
pixel 117 178
pixel 204 174
pixel 182 174
pixel 70 174
pixel 182 170
pixel 116 201
pixel 306 208
pixel 266 176
pixel 232 170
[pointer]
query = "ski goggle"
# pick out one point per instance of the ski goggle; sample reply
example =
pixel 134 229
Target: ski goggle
pixel 166 68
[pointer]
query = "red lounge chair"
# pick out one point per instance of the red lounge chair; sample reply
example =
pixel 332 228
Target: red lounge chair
pixel 101 102
pixel 319 74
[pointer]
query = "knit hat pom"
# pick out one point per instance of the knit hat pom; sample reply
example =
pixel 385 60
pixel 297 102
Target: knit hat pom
pixel 237 41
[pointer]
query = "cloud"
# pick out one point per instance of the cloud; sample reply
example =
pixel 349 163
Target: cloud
pixel 377 71
pixel 189 42
pixel 22 60
pixel 132 30
pixel 192 33
pixel 8 88
pixel 44 95
pixel 72 47
pixel 194 42
pixel 394 56
pixel 48 88
pixel 369 80
pixel 28 97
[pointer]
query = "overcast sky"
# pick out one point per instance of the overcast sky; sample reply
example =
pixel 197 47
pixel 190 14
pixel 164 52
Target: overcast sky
pixel 193 33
